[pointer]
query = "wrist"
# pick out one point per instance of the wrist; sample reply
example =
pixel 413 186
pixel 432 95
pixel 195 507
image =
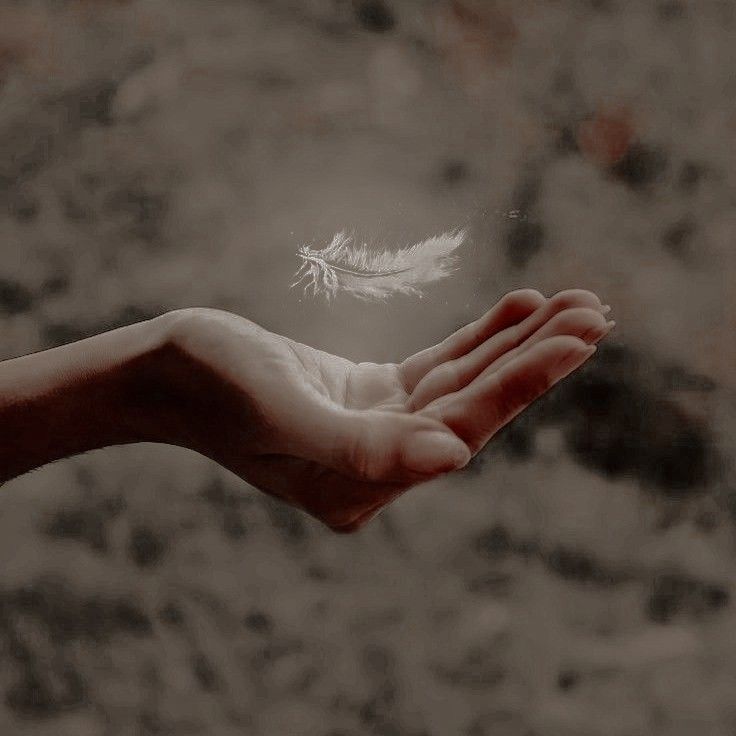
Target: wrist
pixel 105 390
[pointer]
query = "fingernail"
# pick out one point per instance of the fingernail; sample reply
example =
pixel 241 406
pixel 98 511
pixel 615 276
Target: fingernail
pixel 611 324
pixel 606 308
pixel 434 452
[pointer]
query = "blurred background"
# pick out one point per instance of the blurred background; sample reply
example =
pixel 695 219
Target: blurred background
pixel 577 578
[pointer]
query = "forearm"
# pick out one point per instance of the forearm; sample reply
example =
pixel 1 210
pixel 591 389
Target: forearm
pixel 114 388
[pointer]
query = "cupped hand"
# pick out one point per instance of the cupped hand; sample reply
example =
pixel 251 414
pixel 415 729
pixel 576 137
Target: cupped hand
pixel 341 440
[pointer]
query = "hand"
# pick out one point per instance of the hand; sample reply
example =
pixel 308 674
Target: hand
pixel 341 440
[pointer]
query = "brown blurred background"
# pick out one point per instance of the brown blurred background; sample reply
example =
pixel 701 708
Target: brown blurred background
pixel 577 578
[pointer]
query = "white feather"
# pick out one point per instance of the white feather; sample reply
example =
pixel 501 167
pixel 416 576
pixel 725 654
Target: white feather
pixel 345 266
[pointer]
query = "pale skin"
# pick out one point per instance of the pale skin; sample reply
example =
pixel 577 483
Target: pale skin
pixel 336 439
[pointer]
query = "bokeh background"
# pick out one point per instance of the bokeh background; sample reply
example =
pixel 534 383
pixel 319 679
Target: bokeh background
pixel 577 578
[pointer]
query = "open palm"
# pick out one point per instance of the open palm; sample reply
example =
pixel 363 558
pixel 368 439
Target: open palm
pixel 341 440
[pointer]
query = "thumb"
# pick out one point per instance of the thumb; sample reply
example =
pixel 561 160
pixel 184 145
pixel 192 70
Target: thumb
pixel 385 446
pixel 434 451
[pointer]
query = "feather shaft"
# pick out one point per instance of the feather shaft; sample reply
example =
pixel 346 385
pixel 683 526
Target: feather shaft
pixel 361 274
pixel 347 267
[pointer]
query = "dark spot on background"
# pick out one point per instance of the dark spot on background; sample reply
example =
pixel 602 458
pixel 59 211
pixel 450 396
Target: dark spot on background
pixel 129 618
pixel 677 378
pixel 60 333
pixel 171 615
pixel 640 436
pixel 495 584
pixel 677 237
pixel 620 423
pixel 217 493
pixel 25 148
pixel 204 673
pixel 564 81
pixel 615 422
pixel 392 533
pixel 319 572
pixel 377 711
pixel 476 668
pixel 517 439
pixel 75 210
pixel 151 724
pixel 55 284
pixel 524 239
pixel 14 298
pixel 716 596
pixel 146 547
pixel 524 236
pixel 94 102
pixel 707 521
pixel 23 207
pixel 567 679
pixel 640 167
pixel 227 504
pixel 528 548
pixel 690 176
pixel 578 566
pixel 566 141
pixel 375 15
pixel 66 616
pixel 233 526
pixel 259 622
pixel 494 543
pixel 377 661
pixel 145 210
pixel 455 171
pixel 86 525
pixel 670 9
pixel 672 594
pixel 43 693
pixel 667 597
pixel 287 521
pixel 603 6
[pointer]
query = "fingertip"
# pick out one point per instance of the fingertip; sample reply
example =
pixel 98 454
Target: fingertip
pixel 576 298
pixel 573 359
pixel 534 294
pixel 518 304
pixel 554 356
pixel 432 452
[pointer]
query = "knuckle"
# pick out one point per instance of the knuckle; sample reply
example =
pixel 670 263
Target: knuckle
pixel 368 461
pixel 354 452
pixel 476 333
pixel 358 459
pixel 505 399
pixel 449 375
pixel 516 335
pixel 517 295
